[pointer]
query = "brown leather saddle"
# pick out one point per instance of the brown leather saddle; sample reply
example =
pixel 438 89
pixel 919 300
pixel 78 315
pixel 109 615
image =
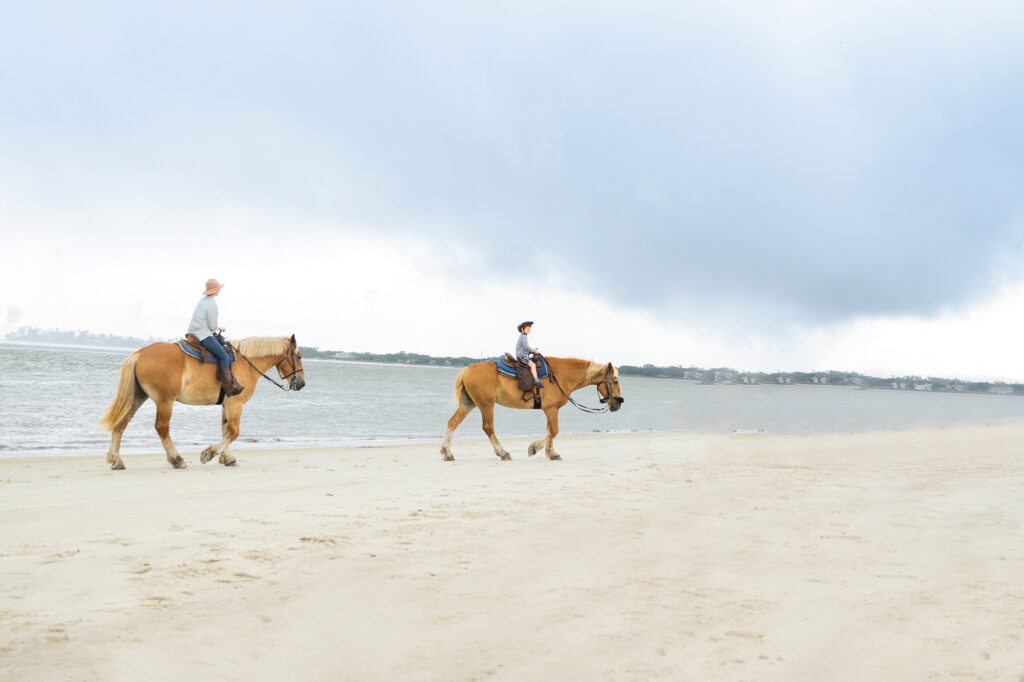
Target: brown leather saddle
pixel 524 379
pixel 192 341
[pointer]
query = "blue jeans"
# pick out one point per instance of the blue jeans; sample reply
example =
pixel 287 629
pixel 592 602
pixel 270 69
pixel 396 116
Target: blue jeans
pixel 213 345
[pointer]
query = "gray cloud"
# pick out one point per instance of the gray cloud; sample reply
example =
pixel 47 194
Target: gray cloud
pixel 671 161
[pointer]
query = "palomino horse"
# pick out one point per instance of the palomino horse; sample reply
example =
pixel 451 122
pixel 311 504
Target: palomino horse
pixel 161 371
pixel 480 385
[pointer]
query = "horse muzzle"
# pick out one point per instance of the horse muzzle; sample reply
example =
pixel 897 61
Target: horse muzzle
pixel 614 403
pixel 297 383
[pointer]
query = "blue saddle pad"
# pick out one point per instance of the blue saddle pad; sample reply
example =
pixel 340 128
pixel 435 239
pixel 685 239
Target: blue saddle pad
pixel 542 369
pixel 195 354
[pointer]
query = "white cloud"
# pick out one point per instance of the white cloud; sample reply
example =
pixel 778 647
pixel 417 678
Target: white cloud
pixel 352 288
pixel 981 341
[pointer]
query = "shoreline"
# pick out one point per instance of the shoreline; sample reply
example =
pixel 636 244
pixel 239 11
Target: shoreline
pixel 473 437
pixel 882 555
pixel 157 450
pixel 988 380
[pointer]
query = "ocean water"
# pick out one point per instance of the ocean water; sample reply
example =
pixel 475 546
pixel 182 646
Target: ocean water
pixel 52 396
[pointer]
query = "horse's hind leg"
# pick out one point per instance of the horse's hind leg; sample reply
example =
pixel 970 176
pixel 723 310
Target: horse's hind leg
pixel 163 429
pixel 453 423
pixel 231 417
pixel 114 453
pixel 487 419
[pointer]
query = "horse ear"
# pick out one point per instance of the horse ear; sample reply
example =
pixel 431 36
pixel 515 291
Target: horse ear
pixel 294 343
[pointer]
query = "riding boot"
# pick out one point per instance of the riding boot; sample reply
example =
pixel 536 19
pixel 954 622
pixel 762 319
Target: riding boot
pixel 228 383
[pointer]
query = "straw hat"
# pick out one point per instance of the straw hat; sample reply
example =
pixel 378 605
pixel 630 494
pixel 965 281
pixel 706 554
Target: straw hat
pixel 212 287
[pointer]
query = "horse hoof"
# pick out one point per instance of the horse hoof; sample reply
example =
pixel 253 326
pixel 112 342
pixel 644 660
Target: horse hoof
pixel 207 455
pixel 179 463
pixel 228 461
pixel 117 466
pixel 554 456
pixel 532 450
pixel 448 457
pixel 505 457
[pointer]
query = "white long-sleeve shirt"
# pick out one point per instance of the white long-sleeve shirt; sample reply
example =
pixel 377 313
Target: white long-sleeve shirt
pixel 523 348
pixel 204 318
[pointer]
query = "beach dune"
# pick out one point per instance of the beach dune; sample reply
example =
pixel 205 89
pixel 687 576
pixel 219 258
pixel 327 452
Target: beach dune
pixel 879 556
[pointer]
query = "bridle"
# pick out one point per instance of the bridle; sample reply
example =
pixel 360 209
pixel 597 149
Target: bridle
pixel 608 389
pixel 291 359
pixel 295 366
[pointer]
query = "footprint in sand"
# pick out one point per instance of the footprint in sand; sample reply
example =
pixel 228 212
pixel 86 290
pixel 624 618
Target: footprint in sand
pixel 239 578
pixel 124 542
pixel 157 602
pixel 59 556
pixel 319 541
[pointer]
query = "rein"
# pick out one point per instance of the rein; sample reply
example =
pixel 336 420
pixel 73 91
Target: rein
pixel 585 408
pixel 280 386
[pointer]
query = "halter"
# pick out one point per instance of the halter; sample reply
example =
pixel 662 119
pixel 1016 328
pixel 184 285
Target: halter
pixel 295 365
pixel 608 388
pixel 291 358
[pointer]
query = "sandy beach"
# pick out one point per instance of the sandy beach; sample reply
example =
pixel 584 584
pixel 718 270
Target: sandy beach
pixel 883 556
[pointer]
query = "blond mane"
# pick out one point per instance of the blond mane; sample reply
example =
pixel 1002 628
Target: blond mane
pixel 594 368
pixel 263 346
pixel 591 368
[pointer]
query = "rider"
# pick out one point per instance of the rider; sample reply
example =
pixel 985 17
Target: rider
pixel 524 353
pixel 204 327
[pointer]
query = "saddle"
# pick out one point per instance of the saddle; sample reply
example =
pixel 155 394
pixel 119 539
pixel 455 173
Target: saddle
pixel 510 366
pixel 193 347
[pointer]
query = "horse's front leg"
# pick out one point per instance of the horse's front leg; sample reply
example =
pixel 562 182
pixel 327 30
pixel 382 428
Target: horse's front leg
pixel 164 408
pixel 552 415
pixel 230 418
pixel 487 419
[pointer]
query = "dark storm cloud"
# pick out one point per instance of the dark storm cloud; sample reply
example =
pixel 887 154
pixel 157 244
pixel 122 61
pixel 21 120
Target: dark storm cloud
pixel 664 159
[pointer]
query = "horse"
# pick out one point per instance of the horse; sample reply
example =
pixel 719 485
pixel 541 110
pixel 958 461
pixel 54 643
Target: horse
pixel 163 372
pixel 480 385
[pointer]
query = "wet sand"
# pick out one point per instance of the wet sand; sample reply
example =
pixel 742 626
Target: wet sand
pixel 888 556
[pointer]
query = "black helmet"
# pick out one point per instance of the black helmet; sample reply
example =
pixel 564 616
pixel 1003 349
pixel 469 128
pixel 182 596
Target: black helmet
pixel 528 323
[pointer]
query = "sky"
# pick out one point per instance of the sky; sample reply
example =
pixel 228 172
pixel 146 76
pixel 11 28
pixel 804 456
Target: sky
pixel 763 185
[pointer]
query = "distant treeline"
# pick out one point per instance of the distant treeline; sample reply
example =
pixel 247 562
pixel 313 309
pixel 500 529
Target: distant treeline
pixel 727 375
pixel 83 338
pixel 719 375
pixel 402 357
pixel 76 338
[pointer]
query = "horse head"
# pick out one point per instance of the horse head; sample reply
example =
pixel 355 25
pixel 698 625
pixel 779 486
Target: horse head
pixel 290 366
pixel 609 390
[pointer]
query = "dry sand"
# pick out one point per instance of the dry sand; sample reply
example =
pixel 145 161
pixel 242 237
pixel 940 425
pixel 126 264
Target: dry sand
pixel 893 556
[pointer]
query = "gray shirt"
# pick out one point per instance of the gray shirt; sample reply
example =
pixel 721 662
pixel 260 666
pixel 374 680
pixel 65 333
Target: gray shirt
pixel 204 318
pixel 523 349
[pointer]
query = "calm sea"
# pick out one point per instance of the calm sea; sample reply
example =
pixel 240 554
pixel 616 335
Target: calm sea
pixel 52 396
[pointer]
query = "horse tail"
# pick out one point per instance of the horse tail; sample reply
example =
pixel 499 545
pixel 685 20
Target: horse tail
pixel 461 397
pixel 126 389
